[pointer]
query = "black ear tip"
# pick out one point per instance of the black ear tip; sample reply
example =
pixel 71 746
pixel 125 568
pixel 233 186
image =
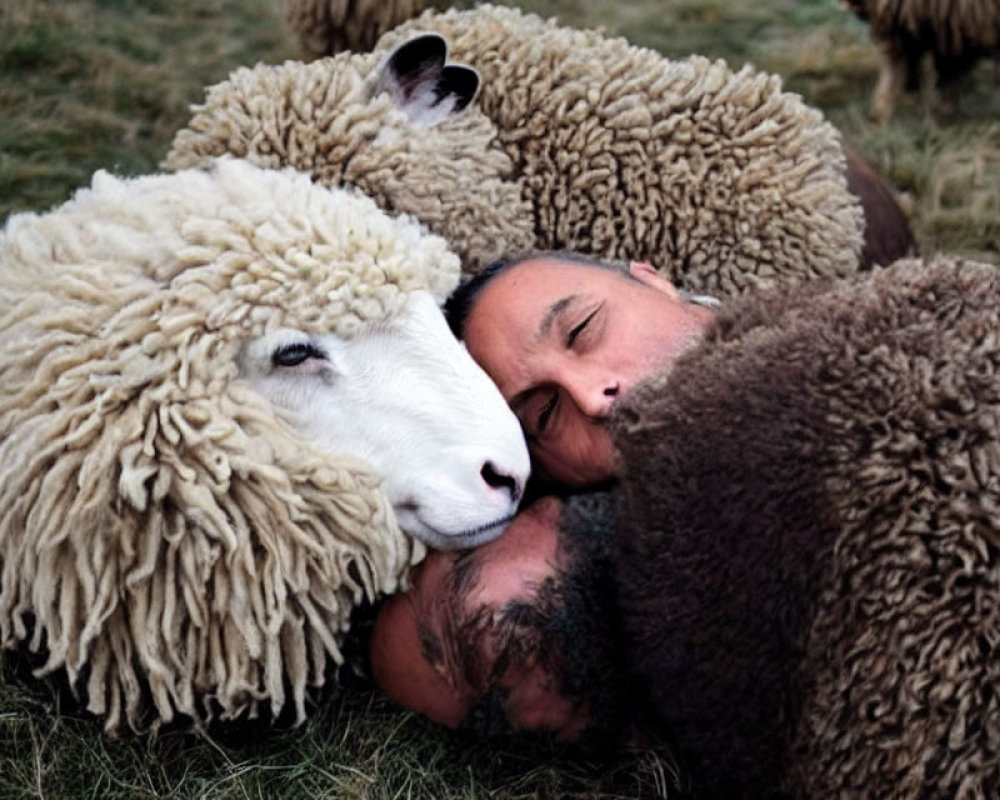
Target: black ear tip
pixel 462 82
pixel 416 53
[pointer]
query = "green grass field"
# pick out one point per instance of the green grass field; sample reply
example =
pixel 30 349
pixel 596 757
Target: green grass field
pixel 106 83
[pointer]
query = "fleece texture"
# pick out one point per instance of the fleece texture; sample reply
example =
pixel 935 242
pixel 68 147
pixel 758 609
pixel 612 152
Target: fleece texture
pixel 576 141
pixel 808 552
pixel 165 536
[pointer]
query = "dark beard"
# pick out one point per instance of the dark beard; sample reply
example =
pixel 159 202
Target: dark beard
pixel 572 627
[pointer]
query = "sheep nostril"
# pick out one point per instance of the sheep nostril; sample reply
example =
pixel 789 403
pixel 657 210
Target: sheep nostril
pixel 499 480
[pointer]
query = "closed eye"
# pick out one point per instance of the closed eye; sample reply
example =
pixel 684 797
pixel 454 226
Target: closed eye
pixel 545 415
pixel 291 355
pixel 580 327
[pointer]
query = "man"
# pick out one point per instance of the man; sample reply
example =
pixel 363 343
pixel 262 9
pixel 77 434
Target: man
pixel 563 337
pixel 481 639
pixel 516 635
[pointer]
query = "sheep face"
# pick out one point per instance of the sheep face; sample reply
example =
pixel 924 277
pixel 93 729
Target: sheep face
pixel 406 398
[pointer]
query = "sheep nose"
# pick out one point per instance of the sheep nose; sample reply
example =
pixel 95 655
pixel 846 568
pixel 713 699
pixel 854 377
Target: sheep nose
pixel 497 479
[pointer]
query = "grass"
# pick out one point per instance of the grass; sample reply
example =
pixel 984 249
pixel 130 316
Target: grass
pixel 355 747
pixel 105 84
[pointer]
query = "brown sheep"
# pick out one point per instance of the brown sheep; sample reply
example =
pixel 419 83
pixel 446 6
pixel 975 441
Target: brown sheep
pixel 325 27
pixel 808 552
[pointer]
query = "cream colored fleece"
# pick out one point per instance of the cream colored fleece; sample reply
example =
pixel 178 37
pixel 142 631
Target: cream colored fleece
pixel 165 536
pixel 576 141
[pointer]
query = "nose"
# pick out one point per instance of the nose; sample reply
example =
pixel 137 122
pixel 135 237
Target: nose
pixel 498 479
pixel 594 396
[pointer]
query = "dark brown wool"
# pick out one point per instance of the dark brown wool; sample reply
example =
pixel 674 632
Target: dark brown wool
pixel 954 33
pixel 809 552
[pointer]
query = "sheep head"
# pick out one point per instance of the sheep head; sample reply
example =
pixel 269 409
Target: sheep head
pixel 168 527
pixel 406 398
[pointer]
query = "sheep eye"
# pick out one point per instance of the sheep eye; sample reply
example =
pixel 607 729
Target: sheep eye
pixel 292 355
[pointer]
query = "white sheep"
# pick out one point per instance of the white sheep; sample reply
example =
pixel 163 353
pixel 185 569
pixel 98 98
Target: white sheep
pixel 954 33
pixel 215 385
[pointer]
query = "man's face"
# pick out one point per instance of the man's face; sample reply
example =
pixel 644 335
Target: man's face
pixel 563 340
pixel 453 645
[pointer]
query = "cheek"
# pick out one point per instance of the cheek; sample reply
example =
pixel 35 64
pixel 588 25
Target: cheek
pixel 495 355
pixel 583 456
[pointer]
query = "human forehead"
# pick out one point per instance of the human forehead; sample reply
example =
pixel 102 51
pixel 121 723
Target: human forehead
pixel 545 279
pixel 506 321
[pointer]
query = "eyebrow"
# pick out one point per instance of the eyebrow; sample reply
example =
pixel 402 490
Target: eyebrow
pixel 552 314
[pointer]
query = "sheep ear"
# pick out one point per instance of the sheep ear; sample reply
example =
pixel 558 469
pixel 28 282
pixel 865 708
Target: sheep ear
pixel 422 85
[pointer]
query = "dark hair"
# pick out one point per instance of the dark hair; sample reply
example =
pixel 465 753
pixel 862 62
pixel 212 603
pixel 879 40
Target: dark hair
pixel 459 305
pixel 570 623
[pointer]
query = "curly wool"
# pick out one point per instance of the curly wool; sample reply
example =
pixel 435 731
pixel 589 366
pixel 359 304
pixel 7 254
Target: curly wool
pixel 808 553
pixel 321 119
pixel 578 142
pixel 325 27
pixel 165 536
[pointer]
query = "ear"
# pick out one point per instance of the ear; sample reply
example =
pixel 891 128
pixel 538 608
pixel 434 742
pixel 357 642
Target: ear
pixel 422 85
pixel 646 273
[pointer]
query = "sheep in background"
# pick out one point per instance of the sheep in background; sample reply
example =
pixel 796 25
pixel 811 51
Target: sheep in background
pixel 887 231
pixel 808 544
pixel 324 27
pixel 575 141
pixel 954 33
pixel 200 372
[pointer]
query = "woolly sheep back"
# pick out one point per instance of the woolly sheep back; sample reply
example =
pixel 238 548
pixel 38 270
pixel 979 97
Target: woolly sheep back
pixel 165 536
pixel 721 179
pixel 814 585
pixel 737 181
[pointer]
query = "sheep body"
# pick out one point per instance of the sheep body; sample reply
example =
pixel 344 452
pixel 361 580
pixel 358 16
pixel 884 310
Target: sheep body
pixel 166 537
pixel 955 33
pixel 324 27
pixel 808 554
pixel 576 141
